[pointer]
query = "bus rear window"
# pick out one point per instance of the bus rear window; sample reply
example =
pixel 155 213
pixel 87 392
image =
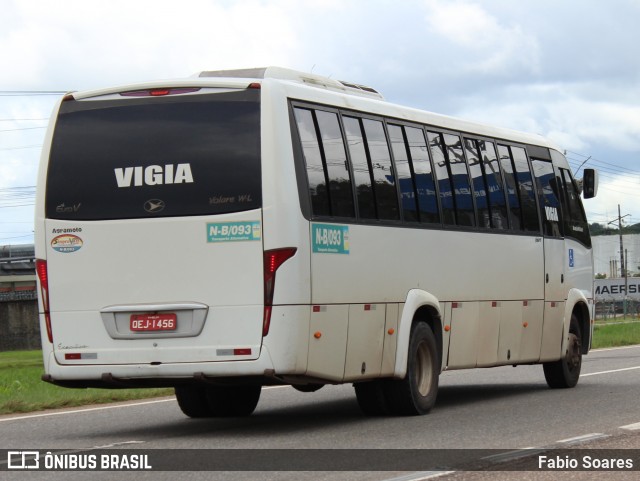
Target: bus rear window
pixel 179 155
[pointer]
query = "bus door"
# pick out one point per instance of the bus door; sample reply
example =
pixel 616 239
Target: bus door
pixel 548 184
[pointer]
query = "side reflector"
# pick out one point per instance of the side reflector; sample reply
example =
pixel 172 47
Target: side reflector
pixel 273 259
pixel 43 277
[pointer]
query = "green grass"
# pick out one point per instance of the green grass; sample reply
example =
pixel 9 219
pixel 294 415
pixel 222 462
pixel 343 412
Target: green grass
pixel 21 389
pixel 614 335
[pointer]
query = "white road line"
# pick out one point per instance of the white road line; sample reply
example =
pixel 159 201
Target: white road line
pixel 84 410
pixel 631 427
pixel 584 438
pixel 609 372
pixel 421 476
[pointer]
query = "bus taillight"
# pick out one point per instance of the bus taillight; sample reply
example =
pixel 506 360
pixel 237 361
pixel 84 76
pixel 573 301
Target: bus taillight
pixel 273 259
pixel 43 276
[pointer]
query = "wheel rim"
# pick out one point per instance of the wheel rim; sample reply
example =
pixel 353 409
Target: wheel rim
pixel 423 369
pixel 574 357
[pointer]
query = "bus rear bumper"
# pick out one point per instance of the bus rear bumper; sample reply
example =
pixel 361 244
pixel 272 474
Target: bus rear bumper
pixel 258 371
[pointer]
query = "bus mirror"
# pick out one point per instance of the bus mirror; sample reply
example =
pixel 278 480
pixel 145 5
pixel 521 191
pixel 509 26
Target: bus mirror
pixel 590 183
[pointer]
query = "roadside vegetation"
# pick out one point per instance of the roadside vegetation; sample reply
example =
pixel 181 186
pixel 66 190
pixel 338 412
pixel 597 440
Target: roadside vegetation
pixel 22 390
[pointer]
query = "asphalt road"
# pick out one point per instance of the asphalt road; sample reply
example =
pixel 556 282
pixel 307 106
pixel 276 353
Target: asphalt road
pixel 505 408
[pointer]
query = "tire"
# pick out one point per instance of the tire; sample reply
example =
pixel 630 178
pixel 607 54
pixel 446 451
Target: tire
pixel 230 401
pixel 193 401
pixel 416 393
pixel 565 372
pixel 371 398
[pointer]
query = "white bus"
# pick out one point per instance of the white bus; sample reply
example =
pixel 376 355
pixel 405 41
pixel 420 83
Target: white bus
pixel 238 229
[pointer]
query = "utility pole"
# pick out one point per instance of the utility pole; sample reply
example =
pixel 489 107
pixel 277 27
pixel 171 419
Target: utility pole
pixel 619 220
pixel 623 266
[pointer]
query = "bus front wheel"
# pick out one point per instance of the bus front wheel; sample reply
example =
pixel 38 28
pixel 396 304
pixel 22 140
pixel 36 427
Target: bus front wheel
pixel 565 372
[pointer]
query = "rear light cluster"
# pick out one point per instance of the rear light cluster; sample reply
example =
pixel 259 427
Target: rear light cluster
pixel 273 259
pixel 43 276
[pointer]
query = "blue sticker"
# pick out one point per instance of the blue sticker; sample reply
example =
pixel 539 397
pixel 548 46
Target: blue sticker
pixel 571 260
pixel 330 238
pixel 234 231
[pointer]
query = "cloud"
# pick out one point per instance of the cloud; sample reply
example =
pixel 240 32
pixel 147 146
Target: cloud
pixel 484 43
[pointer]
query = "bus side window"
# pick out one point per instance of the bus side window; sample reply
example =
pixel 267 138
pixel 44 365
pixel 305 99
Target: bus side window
pixel 493 177
pixel 384 179
pixel 425 183
pixel 316 172
pixel 465 213
pixel 527 194
pixel 437 146
pixel 575 220
pixel 401 157
pixel 335 157
pixel 549 189
pixel 361 174
pixel 513 197
pixel 478 182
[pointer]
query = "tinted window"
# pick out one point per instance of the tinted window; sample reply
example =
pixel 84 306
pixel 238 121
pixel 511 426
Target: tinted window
pixel 405 175
pixel 527 194
pixel 575 220
pixel 437 146
pixel 340 194
pixel 361 174
pixel 382 170
pixel 549 188
pixel 511 185
pixel 313 159
pixel 523 211
pixel 493 178
pixel 487 184
pixel 150 157
pixel 461 185
pixel 425 184
pixel 477 178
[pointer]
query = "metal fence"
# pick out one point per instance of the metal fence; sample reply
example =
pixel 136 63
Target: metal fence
pixel 609 309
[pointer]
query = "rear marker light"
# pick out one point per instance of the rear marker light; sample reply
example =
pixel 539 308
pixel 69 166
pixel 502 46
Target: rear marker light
pixel 43 277
pixel 273 259
pixel 242 352
pixel 160 92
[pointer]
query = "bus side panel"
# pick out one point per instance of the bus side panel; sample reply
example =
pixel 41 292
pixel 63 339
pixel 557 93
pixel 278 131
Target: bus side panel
pixel 552 331
pixel 364 341
pixel 532 313
pixel 328 342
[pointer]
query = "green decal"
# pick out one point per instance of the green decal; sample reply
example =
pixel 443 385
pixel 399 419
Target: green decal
pixel 233 231
pixel 330 238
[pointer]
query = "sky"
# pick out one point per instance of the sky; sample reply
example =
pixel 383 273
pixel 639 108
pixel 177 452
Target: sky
pixel 566 69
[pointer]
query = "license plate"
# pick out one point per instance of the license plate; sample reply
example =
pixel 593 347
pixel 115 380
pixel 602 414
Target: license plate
pixel 154 322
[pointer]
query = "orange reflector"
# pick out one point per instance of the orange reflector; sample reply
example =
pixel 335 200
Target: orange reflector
pixel 447 328
pixel 391 331
pixel 317 334
pixel 525 324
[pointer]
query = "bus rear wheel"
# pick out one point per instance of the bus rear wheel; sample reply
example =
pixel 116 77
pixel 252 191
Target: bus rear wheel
pixel 565 372
pixel 416 393
pixel 217 401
